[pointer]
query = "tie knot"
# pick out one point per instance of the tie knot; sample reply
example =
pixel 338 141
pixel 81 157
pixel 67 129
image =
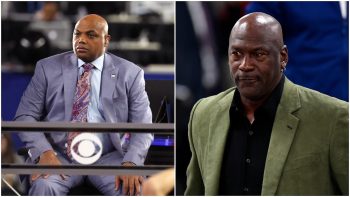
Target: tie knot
pixel 87 67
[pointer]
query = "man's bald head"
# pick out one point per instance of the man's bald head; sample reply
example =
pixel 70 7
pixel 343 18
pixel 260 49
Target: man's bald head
pixel 96 20
pixel 259 24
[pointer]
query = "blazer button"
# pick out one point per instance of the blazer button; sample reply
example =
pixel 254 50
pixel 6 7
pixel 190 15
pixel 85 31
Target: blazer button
pixel 248 161
pixel 250 132
pixel 246 189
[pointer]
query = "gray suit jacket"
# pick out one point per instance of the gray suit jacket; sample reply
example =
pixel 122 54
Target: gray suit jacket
pixel 49 97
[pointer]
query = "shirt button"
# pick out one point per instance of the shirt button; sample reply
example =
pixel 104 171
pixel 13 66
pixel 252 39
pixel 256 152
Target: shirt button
pixel 248 161
pixel 90 103
pixel 66 145
pixel 245 189
pixel 250 132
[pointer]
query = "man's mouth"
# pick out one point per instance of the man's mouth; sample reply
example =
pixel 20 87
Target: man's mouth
pixel 247 81
pixel 81 49
pixel 247 78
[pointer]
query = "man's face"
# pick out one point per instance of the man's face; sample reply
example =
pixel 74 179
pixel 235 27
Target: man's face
pixel 255 63
pixel 89 40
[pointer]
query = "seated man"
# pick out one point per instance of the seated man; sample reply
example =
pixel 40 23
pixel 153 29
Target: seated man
pixel 87 85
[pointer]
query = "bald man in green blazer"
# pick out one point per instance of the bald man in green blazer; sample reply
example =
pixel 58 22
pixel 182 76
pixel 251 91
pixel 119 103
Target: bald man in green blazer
pixel 307 142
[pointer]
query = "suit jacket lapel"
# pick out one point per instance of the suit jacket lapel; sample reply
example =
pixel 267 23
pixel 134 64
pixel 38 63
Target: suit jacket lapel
pixel 107 94
pixel 282 136
pixel 70 77
pixel 108 84
pixel 218 130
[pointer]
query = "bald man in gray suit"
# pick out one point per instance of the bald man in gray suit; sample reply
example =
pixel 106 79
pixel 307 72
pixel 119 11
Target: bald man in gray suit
pixel 117 94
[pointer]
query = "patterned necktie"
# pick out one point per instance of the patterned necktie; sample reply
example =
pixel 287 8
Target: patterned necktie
pixel 81 103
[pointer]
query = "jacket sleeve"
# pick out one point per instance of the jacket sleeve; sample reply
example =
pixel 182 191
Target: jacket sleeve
pixel 139 112
pixel 195 184
pixel 31 109
pixel 339 150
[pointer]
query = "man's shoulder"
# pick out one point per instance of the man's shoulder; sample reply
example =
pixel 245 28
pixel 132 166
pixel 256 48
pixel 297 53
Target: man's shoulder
pixel 222 99
pixel 206 109
pixel 54 62
pixel 58 57
pixel 121 63
pixel 318 99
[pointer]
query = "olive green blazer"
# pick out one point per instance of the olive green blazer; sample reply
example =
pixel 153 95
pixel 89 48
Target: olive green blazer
pixel 308 152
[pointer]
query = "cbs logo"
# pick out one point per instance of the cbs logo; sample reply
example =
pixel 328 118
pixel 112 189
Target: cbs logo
pixel 86 144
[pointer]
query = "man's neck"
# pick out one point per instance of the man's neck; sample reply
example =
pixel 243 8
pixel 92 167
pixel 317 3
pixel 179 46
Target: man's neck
pixel 250 106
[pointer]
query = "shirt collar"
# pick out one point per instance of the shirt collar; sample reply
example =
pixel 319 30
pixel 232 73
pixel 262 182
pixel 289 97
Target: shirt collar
pixel 98 63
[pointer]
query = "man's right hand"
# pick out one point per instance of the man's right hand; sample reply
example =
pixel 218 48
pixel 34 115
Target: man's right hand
pixel 47 158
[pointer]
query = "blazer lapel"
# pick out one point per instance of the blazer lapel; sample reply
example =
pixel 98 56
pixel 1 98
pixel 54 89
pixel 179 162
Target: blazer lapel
pixel 282 136
pixel 218 130
pixel 70 77
pixel 108 84
pixel 107 94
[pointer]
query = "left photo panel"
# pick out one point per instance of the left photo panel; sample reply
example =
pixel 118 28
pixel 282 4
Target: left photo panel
pixel 87 98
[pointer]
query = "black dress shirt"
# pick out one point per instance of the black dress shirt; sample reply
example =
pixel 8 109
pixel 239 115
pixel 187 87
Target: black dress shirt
pixel 246 146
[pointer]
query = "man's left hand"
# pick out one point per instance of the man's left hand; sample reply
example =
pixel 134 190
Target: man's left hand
pixel 131 184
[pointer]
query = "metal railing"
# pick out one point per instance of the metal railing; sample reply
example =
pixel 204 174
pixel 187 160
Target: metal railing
pixel 156 128
pixel 81 169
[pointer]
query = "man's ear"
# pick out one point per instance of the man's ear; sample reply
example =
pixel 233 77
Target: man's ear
pixel 284 57
pixel 107 39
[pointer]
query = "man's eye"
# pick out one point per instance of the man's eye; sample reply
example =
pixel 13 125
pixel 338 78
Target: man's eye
pixel 259 55
pixel 91 35
pixel 236 55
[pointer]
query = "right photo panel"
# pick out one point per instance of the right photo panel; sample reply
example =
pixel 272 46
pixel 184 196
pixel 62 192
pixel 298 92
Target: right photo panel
pixel 262 91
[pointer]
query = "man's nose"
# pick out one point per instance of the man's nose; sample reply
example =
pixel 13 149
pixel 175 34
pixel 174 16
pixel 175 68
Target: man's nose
pixel 246 64
pixel 82 39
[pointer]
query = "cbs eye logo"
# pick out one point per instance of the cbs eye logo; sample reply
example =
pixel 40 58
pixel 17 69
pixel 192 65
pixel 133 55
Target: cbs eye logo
pixel 86 144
